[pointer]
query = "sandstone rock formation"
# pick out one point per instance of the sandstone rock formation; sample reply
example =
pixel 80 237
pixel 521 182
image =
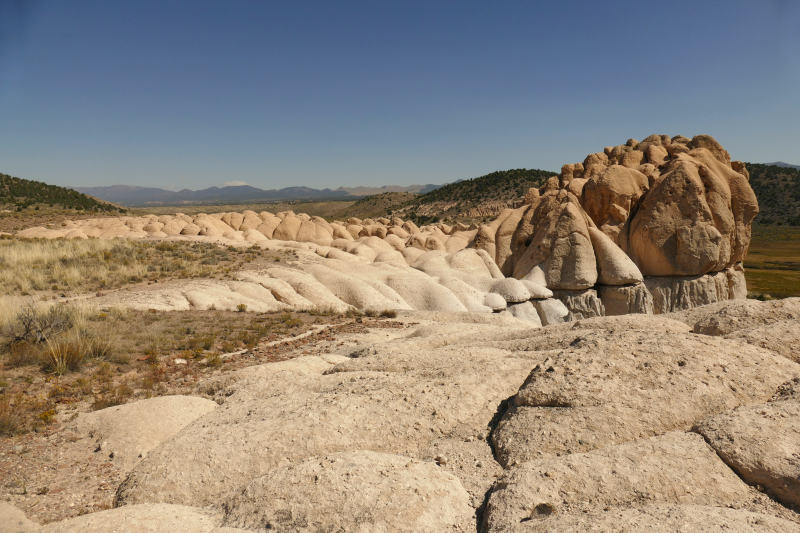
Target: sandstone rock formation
pixel 148 518
pixel 646 227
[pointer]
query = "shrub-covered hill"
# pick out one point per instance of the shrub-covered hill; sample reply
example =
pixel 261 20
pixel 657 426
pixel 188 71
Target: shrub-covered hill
pixel 778 192
pixel 456 200
pixel 377 205
pixel 24 193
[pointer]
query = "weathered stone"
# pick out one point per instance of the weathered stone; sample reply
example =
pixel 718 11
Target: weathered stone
pixel 626 299
pixel 495 302
pixel 602 389
pixel 551 311
pixel 672 468
pixel 525 311
pixel 538 292
pixel 762 444
pixel 614 267
pixel 581 304
pixel 512 290
pixel 353 491
pixel 679 293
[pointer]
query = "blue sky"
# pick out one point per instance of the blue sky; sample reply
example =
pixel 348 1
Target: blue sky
pixel 192 94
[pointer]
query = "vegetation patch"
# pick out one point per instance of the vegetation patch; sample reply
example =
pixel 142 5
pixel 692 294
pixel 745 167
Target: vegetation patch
pixel 772 266
pixel 778 192
pixel 61 266
pixel 21 193
pixel 456 199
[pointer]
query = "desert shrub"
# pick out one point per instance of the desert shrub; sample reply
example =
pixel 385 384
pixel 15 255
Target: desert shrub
pixel 35 326
pixel 60 392
pixel 213 360
pixel 84 385
pixel 353 313
pixel 389 313
pixel 101 343
pixel 290 321
pixel 20 413
pixel 63 355
pixel 10 418
pixel 241 308
pixel 322 311
pixel 370 313
pixel 116 396
pixel 22 354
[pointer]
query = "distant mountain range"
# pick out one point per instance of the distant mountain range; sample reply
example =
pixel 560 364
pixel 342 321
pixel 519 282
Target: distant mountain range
pixel 130 195
pixel 783 165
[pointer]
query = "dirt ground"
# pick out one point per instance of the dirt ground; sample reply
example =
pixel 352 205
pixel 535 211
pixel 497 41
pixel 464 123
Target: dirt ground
pixel 52 473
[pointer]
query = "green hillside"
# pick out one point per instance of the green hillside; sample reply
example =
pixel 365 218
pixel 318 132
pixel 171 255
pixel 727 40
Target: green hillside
pixel 500 186
pixel 377 205
pixel 778 193
pixel 22 193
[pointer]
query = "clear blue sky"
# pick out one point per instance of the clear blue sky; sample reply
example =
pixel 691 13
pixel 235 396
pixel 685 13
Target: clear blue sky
pixel 174 93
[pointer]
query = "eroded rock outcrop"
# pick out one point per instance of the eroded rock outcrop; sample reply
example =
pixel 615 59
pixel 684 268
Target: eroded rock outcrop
pixel 654 226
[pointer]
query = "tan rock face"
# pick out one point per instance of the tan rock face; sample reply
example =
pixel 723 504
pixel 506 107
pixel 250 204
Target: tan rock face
pixel 674 213
pixel 614 267
pixel 762 444
pixel 558 240
pixel 126 433
pixel 678 467
pixel 290 417
pixel 696 219
pixel 596 392
pixel 157 518
pixel 354 491
pixel 611 197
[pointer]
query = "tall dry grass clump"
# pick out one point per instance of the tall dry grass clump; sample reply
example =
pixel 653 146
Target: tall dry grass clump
pixel 27 266
pixel 58 264
pixel 59 337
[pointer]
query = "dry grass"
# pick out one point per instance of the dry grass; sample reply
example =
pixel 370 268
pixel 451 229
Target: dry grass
pixel 55 266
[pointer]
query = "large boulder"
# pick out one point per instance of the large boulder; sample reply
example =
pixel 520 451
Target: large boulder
pixel 126 433
pixel 512 290
pixel 675 468
pixel 559 243
pixel 600 389
pixel 288 228
pixel 762 443
pixel 695 219
pixel 353 491
pixel 395 399
pixel 612 197
pixel 614 267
